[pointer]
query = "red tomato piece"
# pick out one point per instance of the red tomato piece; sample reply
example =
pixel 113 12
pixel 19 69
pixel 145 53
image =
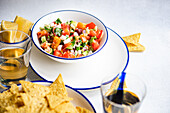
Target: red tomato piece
pixel 65 26
pixel 99 34
pixel 44 45
pixel 83 38
pixel 57 53
pixel 79 55
pixel 65 32
pixel 95 45
pixel 88 37
pixel 68 54
pixel 92 33
pixel 91 25
pixel 66 45
pixel 42 33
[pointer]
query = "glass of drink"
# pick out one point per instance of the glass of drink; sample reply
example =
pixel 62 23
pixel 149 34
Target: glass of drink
pixel 15 49
pixel 122 93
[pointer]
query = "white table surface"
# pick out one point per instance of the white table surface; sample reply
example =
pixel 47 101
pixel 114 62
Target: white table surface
pixel 149 17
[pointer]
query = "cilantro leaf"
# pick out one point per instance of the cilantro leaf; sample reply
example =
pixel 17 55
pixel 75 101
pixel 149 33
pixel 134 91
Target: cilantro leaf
pixel 58 31
pixel 58 21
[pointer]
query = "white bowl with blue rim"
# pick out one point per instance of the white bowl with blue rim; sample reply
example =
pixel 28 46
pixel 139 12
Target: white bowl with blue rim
pixel 78 98
pixel 67 15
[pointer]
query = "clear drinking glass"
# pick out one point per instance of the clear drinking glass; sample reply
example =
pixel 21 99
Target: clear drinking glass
pixel 122 99
pixel 14 56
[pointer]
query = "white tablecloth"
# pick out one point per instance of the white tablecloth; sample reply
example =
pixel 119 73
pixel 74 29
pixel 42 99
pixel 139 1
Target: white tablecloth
pixel 149 17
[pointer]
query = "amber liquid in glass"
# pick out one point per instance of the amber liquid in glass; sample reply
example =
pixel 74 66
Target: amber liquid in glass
pixel 12 64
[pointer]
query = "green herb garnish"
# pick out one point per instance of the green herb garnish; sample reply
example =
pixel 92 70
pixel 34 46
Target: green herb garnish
pixel 58 31
pixel 58 21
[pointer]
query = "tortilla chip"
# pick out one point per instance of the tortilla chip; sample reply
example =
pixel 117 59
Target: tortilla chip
pixel 45 109
pixel 11 109
pixel 54 100
pixel 14 89
pixel 35 89
pixel 108 109
pixel 83 110
pixel 58 87
pixel 133 39
pixel 114 86
pixel 135 48
pixel 66 107
pixel 6 99
pixel 35 98
pixel 34 102
pixel 23 109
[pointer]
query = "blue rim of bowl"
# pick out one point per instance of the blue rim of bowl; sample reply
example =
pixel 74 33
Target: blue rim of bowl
pixel 67 87
pixel 95 86
pixel 69 58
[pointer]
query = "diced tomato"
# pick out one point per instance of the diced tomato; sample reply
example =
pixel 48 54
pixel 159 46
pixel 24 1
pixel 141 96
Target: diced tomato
pixel 65 32
pixel 92 33
pixel 65 26
pixel 54 22
pixel 91 25
pixel 57 53
pixel 81 25
pixel 54 30
pixel 99 33
pixel 88 37
pixel 95 45
pixel 83 38
pixel 45 45
pixel 56 42
pixel 79 55
pixel 66 45
pixel 68 54
pixel 42 33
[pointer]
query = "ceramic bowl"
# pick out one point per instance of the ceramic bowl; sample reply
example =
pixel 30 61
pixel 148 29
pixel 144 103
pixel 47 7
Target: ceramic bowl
pixel 67 15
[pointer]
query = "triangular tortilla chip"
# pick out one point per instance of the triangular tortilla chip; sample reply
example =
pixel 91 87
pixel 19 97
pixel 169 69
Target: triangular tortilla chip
pixel 109 109
pixel 83 110
pixel 34 102
pixel 66 107
pixel 114 86
pixel 14 89
pixel 135 48
pixel 54 100
pixel 45 109
pixel 6 99
pixel 35 89
pixel 133 39
pixel 58 87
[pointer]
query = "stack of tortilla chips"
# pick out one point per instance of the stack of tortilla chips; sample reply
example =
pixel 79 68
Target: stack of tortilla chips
pixel 132 42
pixel 36 98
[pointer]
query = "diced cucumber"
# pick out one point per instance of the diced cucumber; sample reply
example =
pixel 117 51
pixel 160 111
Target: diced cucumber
pixel 43 39
pixel 92 39
pixel 70 47
pixel 48 28
pixel 77 48
pixel 85 53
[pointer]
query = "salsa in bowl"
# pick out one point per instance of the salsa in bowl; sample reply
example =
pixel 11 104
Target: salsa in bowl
pixel 69 36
